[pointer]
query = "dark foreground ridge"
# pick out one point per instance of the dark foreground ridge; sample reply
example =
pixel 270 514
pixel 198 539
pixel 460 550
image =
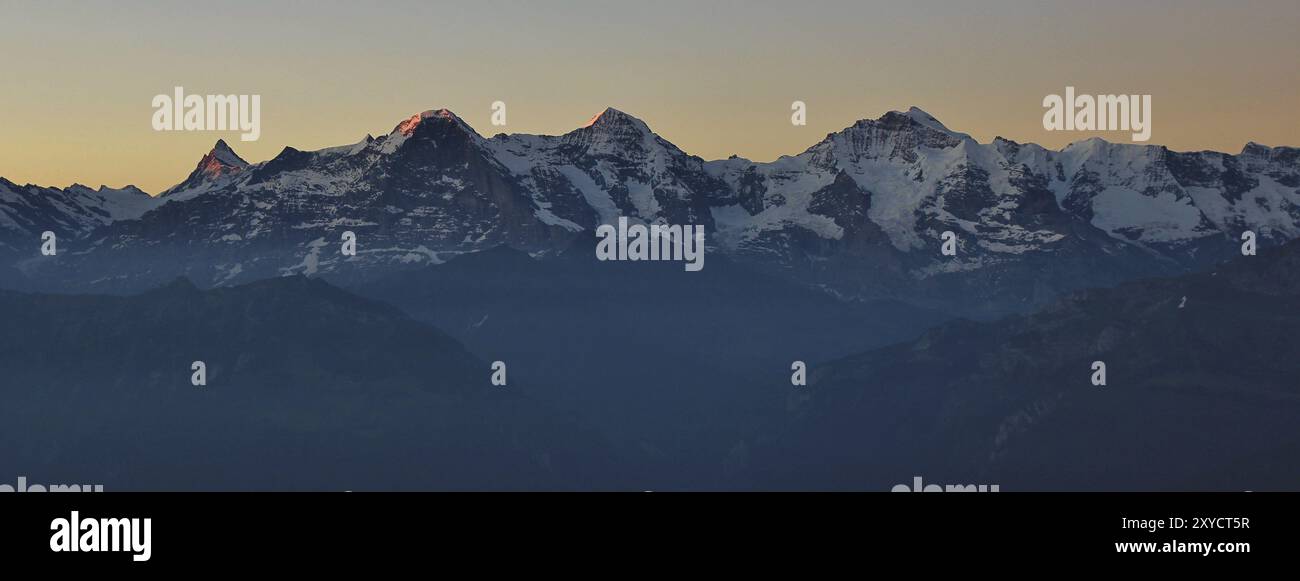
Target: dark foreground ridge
pixel 308 387
pixel 1201 394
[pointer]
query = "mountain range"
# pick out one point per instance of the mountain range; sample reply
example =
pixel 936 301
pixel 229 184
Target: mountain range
pixel 859 214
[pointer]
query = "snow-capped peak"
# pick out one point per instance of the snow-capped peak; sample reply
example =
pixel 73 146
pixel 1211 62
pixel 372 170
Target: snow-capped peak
pixel 432 124
pixel 916 116
pixel 613 118
pixel 222 153
pixel 613 132
pixel 926 119
pixel 220 163
pixel 409 126
pixel 912 121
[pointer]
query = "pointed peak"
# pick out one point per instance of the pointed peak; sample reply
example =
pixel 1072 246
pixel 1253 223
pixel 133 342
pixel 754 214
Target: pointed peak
pixel 614 132
pixel 612 117
pixel 926 119
pixel 913 116
pixel 288 152
pixel 220 162
pixel 1253 147
pixel 409 125
pixel 609 113
pixel 912 120
pixel 224 155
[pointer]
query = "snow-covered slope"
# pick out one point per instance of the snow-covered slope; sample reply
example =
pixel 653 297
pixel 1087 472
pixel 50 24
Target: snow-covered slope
pixel 868 205
pixel 218 168
pixel 919 173
pixel 614 166
pixel 27 211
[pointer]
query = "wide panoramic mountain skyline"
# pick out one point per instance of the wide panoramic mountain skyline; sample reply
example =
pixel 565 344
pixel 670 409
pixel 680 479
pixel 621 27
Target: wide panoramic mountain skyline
pixel 1218 73
pixel 222 154
pixel 860 214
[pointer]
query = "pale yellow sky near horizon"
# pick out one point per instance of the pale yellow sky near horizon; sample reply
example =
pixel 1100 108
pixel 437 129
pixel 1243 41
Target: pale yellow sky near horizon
pixel 714 77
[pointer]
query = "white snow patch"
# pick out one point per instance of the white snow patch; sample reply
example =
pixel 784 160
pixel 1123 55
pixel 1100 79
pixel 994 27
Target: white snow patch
pixel 597 198
pixel 311 262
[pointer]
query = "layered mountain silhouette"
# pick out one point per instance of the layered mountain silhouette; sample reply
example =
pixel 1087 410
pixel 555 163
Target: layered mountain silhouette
pixel 859 214
pixel 308 388
pixel 661 359
pixel 1200 393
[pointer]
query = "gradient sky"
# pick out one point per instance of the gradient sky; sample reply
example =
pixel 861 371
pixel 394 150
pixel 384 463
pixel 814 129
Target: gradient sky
pixel 714 77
